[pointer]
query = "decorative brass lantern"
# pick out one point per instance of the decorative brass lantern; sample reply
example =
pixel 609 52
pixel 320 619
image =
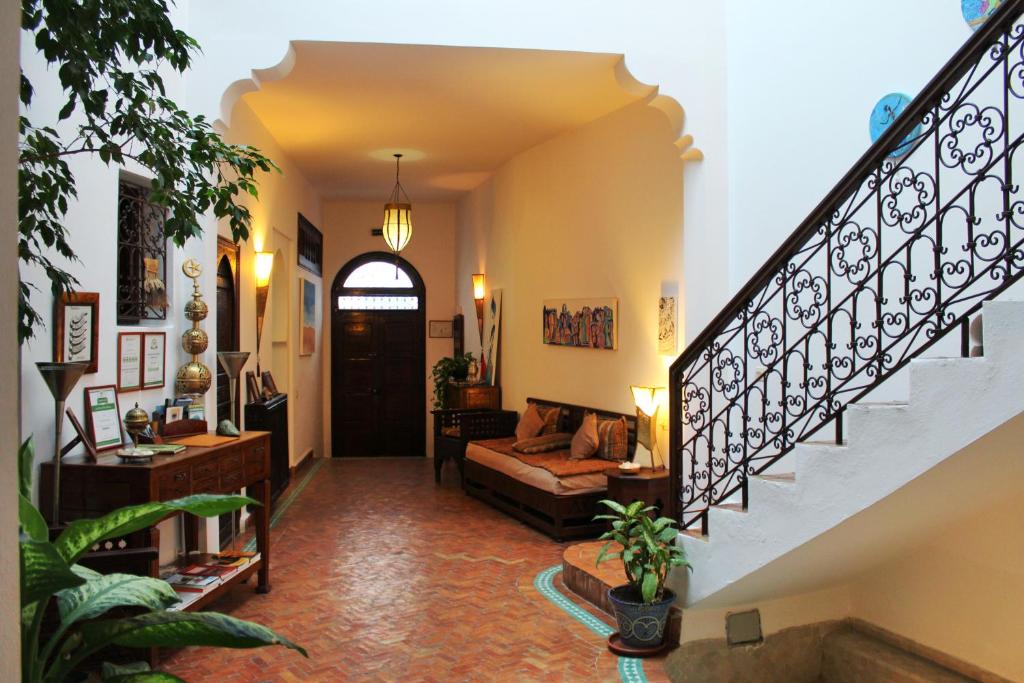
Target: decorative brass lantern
pixel 397 226
pixel 194 378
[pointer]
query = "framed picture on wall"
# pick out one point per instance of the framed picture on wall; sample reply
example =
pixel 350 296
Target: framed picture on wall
pixel 76 327
pixel 308 306
pixel 129 361
pixel 441 329
pixel 153 346
pixel 103 417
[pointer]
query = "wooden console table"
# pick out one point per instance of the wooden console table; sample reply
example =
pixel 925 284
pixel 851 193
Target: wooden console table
pixel 92 489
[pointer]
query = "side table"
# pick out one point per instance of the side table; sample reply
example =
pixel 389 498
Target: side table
pixel 650 486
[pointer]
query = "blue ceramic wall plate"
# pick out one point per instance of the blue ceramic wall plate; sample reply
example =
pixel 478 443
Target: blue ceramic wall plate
pixel 883 115
pixel 977 12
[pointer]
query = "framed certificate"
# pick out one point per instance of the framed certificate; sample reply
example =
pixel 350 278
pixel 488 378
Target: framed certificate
pixel 129 361
pixel 153 345
pixel 103 417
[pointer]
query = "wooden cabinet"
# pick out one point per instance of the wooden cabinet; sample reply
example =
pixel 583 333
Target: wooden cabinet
pixel 650 486
pixel 468 396
pixel 92 489
pixel 272 416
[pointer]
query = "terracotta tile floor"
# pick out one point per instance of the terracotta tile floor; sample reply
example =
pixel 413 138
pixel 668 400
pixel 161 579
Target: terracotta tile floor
pixel 383 576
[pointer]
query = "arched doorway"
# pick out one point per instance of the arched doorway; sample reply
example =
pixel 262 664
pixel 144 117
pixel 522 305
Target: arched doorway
pixel 227 340
pixel 378 358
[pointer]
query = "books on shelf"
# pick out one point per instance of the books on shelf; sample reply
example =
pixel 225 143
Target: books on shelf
pixel 206 573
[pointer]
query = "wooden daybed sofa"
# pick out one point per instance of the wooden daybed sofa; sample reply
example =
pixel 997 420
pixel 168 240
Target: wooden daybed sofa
pixel 562 507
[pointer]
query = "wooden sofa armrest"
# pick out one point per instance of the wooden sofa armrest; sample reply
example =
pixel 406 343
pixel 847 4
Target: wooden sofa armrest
pixel 451 417
pixel 488 424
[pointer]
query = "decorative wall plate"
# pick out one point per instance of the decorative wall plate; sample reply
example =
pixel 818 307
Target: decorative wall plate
pixel 977 12
pixel 883 116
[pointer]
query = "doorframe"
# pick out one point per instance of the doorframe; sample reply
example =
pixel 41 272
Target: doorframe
pixel 419 288
pixel 232 250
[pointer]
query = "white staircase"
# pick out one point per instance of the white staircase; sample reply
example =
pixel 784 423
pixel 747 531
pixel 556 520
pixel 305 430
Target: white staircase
pixel 833 509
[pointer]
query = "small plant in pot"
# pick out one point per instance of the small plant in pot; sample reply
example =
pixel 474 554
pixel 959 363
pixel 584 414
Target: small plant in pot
pixel 648 552
pixel 449 368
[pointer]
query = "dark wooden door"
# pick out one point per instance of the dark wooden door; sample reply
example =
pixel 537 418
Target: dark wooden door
pixel 227 340
pixel 378 383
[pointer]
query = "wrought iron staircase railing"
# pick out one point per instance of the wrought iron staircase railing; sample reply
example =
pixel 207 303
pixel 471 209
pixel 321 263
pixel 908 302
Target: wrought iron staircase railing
pixel 923 228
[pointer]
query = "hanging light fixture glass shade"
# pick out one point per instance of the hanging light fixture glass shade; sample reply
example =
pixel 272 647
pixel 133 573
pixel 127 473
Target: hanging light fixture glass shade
pixel 397 226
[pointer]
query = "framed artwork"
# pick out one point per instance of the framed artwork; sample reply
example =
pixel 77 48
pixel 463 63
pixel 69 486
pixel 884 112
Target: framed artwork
pixel 129 361
pixel 103 417
pixel 153 349
pixel 582 323
pixel 492 335
pixel 667 312
pixel 307 292
pixel 76 324
pixel 441 329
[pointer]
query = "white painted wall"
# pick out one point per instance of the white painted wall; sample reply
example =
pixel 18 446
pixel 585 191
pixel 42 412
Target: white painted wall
pixel 593 213
pixel 10 638
pixel 802 80
pixel 346 227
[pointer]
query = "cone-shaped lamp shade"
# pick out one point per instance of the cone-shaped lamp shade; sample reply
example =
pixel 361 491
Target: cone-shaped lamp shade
pixel 264 266
pixel 232 362
pixel 646 399
pixel 478 286
pixel 397 227
pixel 61 378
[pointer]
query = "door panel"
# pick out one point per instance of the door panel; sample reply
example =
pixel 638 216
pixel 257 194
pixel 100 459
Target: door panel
pixel 378 383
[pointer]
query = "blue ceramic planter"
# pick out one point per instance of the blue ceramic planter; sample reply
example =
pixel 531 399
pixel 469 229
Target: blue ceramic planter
pixel 640 625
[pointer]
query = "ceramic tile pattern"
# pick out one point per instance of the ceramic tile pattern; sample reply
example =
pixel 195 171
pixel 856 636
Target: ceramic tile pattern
pixel 384 576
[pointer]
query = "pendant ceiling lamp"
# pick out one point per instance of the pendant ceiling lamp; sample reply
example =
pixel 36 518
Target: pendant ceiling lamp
pixel 397 216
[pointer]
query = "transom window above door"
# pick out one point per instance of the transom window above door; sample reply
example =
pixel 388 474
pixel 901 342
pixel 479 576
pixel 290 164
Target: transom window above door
pixel 378 275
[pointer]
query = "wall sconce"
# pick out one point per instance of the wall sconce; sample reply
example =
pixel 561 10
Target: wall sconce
pixel 478 298
pixel 647 400
pixel 264 266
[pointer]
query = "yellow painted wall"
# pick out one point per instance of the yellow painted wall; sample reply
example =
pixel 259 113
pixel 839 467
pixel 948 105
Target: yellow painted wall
pixel 275 221
pixel 959 592
pixel 346 227
pixel 596 212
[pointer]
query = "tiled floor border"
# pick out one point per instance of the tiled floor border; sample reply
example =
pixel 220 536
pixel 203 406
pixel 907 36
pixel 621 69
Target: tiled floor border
pixel 631 669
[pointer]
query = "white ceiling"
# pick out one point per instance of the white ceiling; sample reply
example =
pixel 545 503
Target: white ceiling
pixel 457 113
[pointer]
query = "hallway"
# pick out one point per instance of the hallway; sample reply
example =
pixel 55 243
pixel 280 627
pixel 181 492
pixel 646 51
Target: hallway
pixel 383 576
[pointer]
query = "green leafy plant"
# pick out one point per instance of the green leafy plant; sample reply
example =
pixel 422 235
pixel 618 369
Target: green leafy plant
pixel 454 367
pixel 108 56
pixel 648 547
pixel 50 572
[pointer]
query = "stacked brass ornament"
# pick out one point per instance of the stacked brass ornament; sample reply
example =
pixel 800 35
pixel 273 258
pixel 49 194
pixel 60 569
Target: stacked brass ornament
pixel 194 378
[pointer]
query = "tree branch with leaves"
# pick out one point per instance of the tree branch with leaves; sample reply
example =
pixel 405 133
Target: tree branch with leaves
pixel 107 55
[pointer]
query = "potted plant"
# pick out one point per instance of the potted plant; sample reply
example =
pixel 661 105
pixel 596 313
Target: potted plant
pixel 648 552
pixel 446 369
pixel 82 627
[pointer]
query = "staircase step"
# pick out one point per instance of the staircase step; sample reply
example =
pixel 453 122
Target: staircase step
pixel 734 507
pixel 785 477
pixel 694 533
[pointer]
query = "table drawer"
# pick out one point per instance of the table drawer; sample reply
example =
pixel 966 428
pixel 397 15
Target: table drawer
pixel 255 462
pixel 205 470
pixel 175 484
pixel 231 481
pixel 231 463
pixel 205 485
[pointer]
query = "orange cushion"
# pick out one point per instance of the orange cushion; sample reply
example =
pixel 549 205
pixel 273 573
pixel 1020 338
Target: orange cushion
pixel 550 416
pixel 613 439
pixel 586 440
pixel 530 424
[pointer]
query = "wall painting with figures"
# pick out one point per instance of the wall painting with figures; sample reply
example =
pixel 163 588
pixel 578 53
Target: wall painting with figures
pixel 582 323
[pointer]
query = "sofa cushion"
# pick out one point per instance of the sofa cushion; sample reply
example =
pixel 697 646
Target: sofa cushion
pixel 530 424
pixel 586 440
pixel 550 417
pixel 543 443
pixel 613 439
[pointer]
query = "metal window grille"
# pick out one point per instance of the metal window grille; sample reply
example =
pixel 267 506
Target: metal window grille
pixel 141 244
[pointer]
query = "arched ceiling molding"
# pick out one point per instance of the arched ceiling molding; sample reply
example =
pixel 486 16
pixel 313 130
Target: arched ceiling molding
pixel 667 105
pixel 256 78
pixel 624 78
